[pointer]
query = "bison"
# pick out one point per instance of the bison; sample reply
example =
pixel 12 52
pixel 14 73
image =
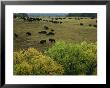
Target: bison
pixel 42 41
pixel 95 25
pixel 52 40
pixel 81 24
pixel 92 17
pixel 30 19
pixel 90 25
pixel 52 30
pixel 15 35
pixel 46 28
pixel 42 32
pixel 28 33
pixel 60 22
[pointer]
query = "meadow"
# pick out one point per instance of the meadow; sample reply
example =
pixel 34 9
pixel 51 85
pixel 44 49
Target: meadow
pixel 69 31
pixel 73 51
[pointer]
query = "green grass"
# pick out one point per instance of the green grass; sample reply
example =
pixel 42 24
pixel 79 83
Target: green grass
pixel 69 31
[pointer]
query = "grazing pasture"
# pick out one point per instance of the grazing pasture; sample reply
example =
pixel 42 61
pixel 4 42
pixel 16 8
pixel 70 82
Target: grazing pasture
pixel 31 32
pixel 52 45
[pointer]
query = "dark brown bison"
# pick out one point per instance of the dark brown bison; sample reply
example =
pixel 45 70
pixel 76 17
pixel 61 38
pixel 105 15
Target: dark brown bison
pixel 30 19
pixel 52 40
pixel 81 24
pixel 90 25
pixel 69 18
pixel 52 30
pixel 60 22
pixel 15 35
pixel 28 33
pixel 42 41
pixel 95 25
pixel 92 18
pixel 42 32
pixel 46 28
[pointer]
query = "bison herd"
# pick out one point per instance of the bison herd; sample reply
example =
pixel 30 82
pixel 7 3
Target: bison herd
pixel 49 31
pixel 81 24
pixel 30 19
pixel 52 20
pixel 55 20
pixel 41 32
pixel 41 41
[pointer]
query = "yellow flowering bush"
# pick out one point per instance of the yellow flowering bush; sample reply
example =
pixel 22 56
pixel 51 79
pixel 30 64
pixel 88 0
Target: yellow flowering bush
pixel 33 62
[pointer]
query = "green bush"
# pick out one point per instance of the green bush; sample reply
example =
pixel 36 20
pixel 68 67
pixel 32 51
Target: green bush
pixel 32 62
pixel 77 59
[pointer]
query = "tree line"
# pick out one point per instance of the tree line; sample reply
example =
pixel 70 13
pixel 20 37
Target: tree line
pixel 68 15
pixel 82 15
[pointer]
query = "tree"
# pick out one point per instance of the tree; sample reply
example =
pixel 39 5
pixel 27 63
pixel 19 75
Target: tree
pixel 21 15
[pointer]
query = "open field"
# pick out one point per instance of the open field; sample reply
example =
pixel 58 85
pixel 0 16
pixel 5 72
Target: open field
pixel 69 30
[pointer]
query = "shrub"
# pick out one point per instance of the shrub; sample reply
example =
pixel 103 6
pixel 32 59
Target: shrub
pixel 23 69
pixel 32 62
pixel 77 59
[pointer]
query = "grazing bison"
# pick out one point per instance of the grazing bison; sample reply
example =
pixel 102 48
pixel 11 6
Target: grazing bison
pixel 50 33
pixel 78 19
pixel 28 33
pixel 46 28
pixel 55 22
pixel 52 40
pixel 38 19
pixel 52 30
pixel 15 35
pixel 81 24
pixel 90 25
pixel 24 18
pixel 30 19
pixel 95 25
pixel 92 18
pixel 60 22
pixel 42 32
pixel 42 41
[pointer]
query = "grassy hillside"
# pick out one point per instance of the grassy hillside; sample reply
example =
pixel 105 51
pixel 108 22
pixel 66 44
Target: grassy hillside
pixel 69 31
